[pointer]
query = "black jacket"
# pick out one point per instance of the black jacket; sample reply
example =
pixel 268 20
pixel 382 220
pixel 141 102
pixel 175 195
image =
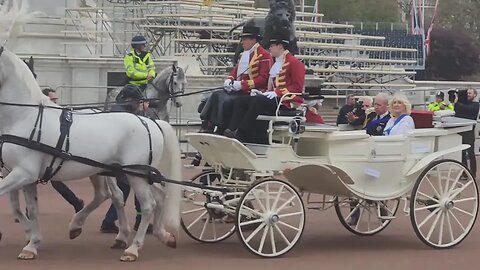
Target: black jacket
pixel 342 114
pixel 468 110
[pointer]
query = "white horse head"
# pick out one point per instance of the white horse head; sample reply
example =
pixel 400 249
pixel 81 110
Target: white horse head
pixel 168 84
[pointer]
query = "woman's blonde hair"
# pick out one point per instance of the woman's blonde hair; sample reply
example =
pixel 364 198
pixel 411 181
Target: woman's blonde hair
pixel 403 99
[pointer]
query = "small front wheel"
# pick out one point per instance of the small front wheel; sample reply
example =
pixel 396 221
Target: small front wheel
pixel 270 218
pixel 200 222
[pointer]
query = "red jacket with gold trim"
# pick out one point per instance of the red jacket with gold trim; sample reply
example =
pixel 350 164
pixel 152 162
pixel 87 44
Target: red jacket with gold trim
pixel 258 70
pixel 291 79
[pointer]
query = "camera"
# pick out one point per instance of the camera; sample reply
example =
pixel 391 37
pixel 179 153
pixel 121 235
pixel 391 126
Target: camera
pixel 358 107
pixel 461 94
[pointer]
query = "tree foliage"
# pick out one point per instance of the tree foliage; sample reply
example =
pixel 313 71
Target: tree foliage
pixel 453 55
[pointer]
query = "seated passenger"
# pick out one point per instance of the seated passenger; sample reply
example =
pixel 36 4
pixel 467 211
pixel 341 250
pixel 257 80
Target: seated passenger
pixel 377 120
pixel 401 121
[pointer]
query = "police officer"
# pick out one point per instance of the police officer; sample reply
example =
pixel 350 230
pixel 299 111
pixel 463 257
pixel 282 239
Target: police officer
pixel 139 66
pixel 439 103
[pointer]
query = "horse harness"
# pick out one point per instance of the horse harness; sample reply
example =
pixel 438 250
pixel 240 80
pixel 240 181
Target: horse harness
pixel 61 150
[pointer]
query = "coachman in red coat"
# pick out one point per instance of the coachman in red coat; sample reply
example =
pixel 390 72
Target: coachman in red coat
pixel 250 73
pixel 287 75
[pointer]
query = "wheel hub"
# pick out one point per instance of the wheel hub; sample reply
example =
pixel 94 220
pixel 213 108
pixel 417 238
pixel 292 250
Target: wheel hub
pixel 273 219
pixel 449 205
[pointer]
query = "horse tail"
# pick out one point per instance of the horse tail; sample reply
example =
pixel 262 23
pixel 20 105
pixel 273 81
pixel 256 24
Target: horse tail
pixel 171 167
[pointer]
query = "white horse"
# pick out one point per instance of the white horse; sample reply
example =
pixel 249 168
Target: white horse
pixel 169 84
pixel 113 139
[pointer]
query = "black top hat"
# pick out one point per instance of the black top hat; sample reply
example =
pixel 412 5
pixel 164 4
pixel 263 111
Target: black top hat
pixel 251 31
pixel 281 37
pixel 440 95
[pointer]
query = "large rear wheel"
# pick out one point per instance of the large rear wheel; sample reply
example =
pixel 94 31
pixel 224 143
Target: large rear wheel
pixel 444 204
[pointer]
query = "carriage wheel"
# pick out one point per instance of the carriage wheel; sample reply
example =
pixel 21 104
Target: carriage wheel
pixel 270 218
pixel 365 217
pixel 204 224
pixel 444 204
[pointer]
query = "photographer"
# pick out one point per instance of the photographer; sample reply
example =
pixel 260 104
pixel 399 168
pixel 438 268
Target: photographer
pixel 348 107
pixel 466 107
pixel 358 115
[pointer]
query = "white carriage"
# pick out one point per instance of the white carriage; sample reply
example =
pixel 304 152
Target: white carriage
pixel 364 177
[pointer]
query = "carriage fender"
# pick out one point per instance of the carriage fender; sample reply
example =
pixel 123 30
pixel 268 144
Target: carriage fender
pixel 428 159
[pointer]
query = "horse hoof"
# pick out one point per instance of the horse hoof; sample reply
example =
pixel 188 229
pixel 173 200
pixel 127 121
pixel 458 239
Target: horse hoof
pixel 128 257
pixel 119 244
pixel 26 255
pixel 172 242
pixel 75 233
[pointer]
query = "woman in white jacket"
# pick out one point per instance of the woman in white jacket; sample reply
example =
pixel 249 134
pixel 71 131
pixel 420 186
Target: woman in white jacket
pixel 401 121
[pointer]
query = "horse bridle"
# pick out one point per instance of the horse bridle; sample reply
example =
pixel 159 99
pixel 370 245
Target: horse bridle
pixel 1 50
pixel 171 93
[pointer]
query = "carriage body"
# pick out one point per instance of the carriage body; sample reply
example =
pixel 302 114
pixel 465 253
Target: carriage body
pixel 363 177
pixel 370 167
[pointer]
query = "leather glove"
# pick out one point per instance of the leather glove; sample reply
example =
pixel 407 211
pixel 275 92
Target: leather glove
pixel 270 94
pixel 255 92
pixel 237 86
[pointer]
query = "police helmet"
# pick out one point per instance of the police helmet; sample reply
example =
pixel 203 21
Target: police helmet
pixel 138 40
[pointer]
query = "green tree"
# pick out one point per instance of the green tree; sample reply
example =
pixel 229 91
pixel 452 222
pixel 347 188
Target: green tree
pixel 453 55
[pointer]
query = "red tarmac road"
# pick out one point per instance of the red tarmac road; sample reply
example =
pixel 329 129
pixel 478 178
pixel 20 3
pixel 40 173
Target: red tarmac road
pixel 325 244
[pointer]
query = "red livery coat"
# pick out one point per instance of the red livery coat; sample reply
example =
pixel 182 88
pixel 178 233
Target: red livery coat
pixel 258 70
pixel 291 79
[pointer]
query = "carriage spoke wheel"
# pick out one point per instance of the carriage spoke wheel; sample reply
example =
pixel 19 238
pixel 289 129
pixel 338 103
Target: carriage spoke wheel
pixel 270 218
pixel 365 217
pixel 201 223
pixel 444 204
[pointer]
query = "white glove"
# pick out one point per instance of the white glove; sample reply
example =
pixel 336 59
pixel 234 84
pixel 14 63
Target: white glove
pixel 270 94
pixel 227 83
pixel 255 92
pixel 228 89
pixel 237 86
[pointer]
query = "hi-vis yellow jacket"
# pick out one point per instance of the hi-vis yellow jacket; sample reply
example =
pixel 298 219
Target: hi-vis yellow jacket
pixel 437 106
pixel 137 68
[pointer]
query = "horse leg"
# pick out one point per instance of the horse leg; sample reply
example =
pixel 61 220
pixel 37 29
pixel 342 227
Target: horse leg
pixel 101 193
pixel 15 180
pixel 124 228
pixel 29 252
pixel 143 192
pixel 159 229
pixel 18 213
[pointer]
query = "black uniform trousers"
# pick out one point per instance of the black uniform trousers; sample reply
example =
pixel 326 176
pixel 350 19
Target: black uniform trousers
pixel 218 108
pixel 246 109
pixel 468 137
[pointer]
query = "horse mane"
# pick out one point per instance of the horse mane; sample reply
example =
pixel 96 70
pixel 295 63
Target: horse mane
pixel 14 14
